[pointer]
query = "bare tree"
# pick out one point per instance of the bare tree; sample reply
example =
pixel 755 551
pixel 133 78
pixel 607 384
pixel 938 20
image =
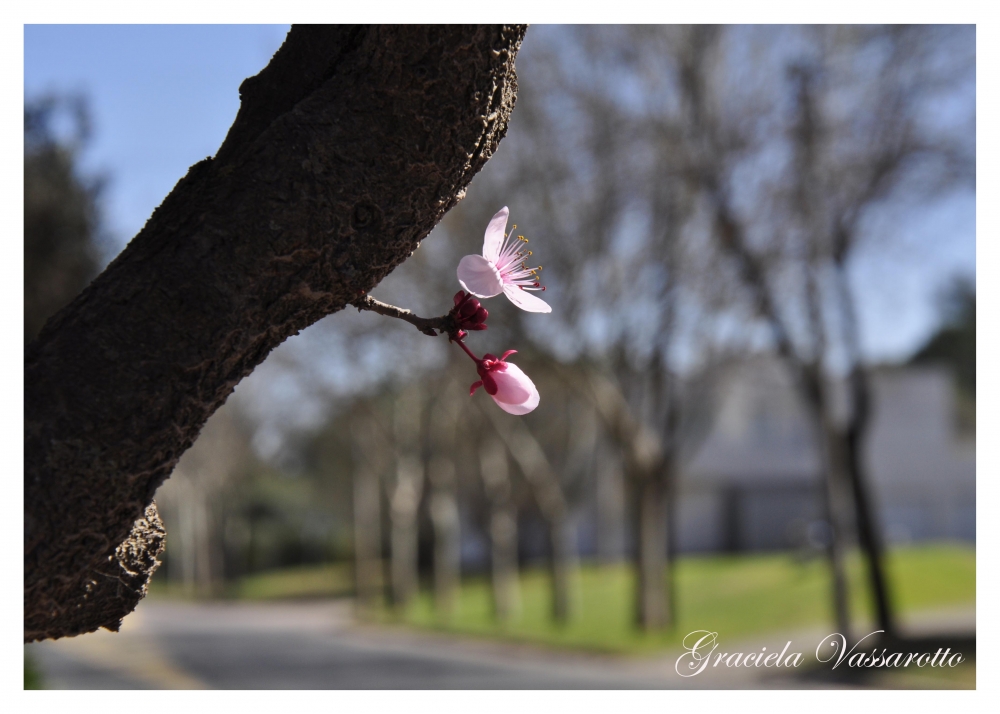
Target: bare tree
pixel 695 184
pixel 601 184
pixel 442 474
pixel 369 463
pixel 404 487
pixel 347 150
pixel 61 217
pixel 543 479
pixel 195 497
pixel 793 252
pixel 495 470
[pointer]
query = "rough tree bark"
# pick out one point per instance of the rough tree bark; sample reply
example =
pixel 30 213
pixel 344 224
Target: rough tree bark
pixel 348 149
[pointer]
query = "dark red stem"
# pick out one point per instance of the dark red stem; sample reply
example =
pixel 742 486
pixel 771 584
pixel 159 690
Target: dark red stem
pixel 468 352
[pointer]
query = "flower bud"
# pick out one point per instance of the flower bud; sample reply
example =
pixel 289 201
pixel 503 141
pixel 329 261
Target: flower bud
pixel 468 314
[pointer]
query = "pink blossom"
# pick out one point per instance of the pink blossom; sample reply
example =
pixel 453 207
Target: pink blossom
pixel 502 268
pixel 504 381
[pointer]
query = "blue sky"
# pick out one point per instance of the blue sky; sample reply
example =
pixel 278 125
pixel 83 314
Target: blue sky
pixel 163 97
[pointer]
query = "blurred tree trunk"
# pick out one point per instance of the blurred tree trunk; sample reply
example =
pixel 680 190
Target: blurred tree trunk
pixel 372 456
pixel 651 554
pixel 563 562
pixel 868 532
pixel 826 247
pixel 835 498
pixel 650 473
pixel 493 467
pixel 707 175
pixel 347 150
pixel 192 553
pixel 195 496
pixel 186 538
pixel 443 427
pixel 447 533
pixel 368 577
pixel 405 493
pixel 403 504
pixel 611 507
pixel 207 570
pixel 506 584
pixel 544 482
pixel 853 437
pixel 808 379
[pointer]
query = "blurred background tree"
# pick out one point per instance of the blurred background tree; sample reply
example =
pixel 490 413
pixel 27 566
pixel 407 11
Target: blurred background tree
pixel 62 220
pixel 954 343
pixel 699 197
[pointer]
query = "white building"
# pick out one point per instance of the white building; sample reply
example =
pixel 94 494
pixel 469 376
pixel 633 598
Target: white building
pixel 754 482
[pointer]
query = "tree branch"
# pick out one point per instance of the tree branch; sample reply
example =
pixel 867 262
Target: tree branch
pixel 444 325
pixel 348 148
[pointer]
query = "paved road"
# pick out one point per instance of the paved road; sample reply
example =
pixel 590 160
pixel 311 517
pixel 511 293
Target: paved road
pixel 174 645
pixel 169 645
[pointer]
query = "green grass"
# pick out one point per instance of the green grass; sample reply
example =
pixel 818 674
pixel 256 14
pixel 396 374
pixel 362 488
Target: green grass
pixel 32 678
pixel 737 596
pixel 308 581
pixel 300 582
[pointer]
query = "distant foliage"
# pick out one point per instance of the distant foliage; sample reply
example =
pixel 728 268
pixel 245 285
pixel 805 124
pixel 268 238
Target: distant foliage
pixel 32 677
pixel 61 221
pixel 954 344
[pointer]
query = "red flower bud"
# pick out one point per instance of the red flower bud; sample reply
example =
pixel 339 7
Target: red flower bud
pixel 468 314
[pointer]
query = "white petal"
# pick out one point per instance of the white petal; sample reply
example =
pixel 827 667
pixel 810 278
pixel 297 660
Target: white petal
pixel 517 409
pixel 477 276
pixel 513 385
pixel 528 404
pixel 525 300
pixel 495 236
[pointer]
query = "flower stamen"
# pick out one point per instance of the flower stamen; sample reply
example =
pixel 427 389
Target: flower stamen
pixel 503 267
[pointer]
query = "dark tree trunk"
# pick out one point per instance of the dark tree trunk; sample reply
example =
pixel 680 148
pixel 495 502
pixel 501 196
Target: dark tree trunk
pixel 670 571
pixel 650 553
pixel 348 149
pixel 868 533
pixel 858 422
pixel 835 497
pixel 835 504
